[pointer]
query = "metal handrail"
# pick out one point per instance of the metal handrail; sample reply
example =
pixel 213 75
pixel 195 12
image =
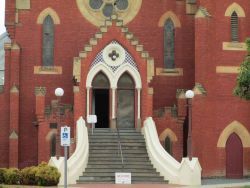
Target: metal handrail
pixel 119 145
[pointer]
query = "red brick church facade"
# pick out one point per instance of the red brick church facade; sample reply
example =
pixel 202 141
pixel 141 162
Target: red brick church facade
pixel 169 46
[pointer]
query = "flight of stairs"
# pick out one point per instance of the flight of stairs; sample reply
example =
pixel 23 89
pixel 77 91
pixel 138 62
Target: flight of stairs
pixel 105 159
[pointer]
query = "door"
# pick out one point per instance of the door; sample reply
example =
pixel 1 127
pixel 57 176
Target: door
pixel 100 100
pixel 125 102
pixel 101 107
pixel 234 157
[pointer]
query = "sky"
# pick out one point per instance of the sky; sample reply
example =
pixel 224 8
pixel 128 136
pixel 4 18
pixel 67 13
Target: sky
pixel 2 6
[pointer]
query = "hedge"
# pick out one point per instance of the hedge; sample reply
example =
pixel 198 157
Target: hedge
pixel 43 175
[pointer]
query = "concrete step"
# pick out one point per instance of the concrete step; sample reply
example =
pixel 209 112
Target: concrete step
pixel 115 144
pixel 149 170
pixel 105 174
pixel 115 158
pixel 115 147
pixel 115 151
pixel 119 162
pixel 105 159
pixel 115 136
pixel 113 130
pixel 115 166
pixel 124 155
pixel 112 179
pixel 115 141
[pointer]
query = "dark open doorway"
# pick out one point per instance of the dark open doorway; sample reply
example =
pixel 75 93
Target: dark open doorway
pixel 101 107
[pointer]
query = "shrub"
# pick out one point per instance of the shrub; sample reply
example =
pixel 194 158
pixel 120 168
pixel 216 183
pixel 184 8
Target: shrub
pixel 12 176
pixel 47 175
pixel 2 172
pixel 28 175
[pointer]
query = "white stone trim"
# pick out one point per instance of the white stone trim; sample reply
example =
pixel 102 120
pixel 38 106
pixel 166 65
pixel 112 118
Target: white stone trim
pixel 114 77
pixel 113 102
pixel 133 73
pixel 88 102
pixel 100 67
pixel 185 173
pixel 138 103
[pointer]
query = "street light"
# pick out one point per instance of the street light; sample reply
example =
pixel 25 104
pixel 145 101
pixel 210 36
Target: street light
pixel 59 93
pixel 189 95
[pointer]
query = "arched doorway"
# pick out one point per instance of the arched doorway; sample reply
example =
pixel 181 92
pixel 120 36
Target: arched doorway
pixel 125 102
pixel 100 100
pixel 234 157
pixel 168 145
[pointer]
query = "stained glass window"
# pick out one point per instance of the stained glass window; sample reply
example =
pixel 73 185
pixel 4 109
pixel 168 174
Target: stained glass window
pixel 234 27
pixel 95 4
pixel 108 8
pixel 169 44
pixel 48 41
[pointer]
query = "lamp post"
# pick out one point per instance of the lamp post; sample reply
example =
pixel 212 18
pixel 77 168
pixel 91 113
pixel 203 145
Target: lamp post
pixel 189 95
pixel 58 93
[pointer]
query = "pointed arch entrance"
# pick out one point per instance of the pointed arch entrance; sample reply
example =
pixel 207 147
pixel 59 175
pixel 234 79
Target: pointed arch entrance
pixel 100 100
pixel 125 85
pixel 234 157
pixel 125 101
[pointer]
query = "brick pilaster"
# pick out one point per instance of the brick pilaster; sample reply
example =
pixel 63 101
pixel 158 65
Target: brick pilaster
pixel 14 127
pixel 40 93
pixel 14 104
pixel 181 103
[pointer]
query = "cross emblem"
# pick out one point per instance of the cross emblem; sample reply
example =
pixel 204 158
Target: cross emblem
pixel 113 55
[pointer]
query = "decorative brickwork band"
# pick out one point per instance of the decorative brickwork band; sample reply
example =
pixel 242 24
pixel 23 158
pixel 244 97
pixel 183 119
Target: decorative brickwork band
pixel 40 91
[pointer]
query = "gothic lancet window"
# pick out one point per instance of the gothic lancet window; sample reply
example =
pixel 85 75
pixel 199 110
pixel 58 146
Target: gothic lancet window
pixel 169 44
pixel 48 41
pixel 234 27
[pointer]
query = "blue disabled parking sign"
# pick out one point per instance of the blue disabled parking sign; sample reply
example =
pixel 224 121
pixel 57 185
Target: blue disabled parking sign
pixel 65 136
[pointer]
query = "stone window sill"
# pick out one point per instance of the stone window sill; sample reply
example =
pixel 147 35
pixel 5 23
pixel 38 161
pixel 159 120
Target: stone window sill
pixel 169 72
pixel 47 70
pixel 234 46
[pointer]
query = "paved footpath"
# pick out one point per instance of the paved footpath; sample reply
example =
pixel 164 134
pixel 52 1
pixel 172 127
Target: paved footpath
pixel 207 183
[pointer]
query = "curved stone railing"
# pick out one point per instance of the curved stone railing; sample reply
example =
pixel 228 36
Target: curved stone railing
pixel 78 161
pixel 185 173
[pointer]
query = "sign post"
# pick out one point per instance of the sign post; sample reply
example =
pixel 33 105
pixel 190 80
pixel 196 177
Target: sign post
pixel 92 119
pixel 65 141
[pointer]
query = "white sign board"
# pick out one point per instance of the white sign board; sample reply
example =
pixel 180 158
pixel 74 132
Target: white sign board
pixel 65 136
pixel 122 178
pixel 92 119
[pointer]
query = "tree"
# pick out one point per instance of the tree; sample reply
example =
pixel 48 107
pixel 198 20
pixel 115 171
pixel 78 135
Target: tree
pixel 242 88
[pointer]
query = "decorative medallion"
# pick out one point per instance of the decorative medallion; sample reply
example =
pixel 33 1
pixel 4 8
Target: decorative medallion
pixel 97 11
pixel 114 56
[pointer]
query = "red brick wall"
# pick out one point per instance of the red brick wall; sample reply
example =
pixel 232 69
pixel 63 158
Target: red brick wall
pixel 198 52
pixel 213 112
